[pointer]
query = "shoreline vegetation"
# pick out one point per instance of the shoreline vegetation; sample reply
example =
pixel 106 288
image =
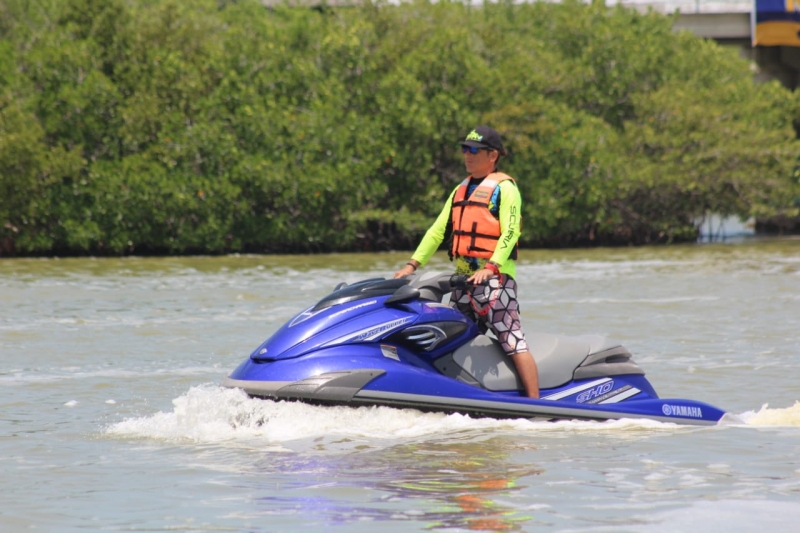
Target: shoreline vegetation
pixel 154 127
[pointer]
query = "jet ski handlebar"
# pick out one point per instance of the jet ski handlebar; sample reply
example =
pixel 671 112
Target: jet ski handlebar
pixel 459 281
pixel 431 286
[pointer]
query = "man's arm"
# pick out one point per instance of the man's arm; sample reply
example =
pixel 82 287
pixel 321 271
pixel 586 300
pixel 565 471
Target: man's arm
pixel 510 219
pixel 430 242
pixel 435 234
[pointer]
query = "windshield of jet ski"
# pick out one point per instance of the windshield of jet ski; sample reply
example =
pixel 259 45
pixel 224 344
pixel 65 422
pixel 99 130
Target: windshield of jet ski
pixel 369 288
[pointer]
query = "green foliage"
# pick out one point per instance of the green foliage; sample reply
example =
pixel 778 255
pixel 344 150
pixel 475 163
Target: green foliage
pixel 166 126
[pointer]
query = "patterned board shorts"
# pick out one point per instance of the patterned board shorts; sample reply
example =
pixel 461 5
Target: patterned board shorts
pixel 494 305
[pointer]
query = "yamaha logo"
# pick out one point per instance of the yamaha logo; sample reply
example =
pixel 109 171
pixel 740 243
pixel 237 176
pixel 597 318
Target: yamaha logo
pixel 682 410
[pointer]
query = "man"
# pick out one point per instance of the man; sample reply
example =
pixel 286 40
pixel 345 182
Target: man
pixel 482 215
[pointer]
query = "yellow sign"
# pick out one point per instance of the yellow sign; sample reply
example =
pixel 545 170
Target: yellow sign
pixel 777 23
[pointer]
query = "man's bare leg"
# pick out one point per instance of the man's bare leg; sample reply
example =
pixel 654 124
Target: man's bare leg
pixel 528 373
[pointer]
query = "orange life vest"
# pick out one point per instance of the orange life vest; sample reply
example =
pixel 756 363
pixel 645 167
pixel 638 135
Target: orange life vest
pixel 475 230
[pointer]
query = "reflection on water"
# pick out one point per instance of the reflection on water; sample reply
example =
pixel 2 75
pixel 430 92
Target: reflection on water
pixel 435 485
pixel 470 482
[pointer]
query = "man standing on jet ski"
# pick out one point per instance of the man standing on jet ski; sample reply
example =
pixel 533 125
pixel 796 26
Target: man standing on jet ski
pixel 482 217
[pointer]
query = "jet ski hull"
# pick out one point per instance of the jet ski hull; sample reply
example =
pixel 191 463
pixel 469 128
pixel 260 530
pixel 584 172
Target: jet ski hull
pixel 394 343
pixel 393 384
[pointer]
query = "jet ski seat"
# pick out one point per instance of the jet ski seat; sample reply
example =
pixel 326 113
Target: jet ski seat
pixel 559 359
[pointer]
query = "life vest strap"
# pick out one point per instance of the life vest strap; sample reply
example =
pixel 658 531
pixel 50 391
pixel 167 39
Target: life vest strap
pixel 463 203
pixel 476 234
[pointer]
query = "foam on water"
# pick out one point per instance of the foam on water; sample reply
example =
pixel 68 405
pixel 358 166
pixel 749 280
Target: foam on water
pixel 677 299
pixel 20 377
pixel 180 280
pixel 789 416
pixel 212 414
pixel 597 270
pixel 733 263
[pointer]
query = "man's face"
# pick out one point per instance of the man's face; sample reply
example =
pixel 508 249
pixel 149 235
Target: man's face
pixel 481 163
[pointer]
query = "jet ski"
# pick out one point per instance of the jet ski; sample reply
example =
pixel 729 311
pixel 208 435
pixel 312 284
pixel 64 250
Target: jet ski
pixel 397 343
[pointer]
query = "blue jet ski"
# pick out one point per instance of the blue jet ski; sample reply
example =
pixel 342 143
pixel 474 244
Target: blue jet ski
pixel 394 342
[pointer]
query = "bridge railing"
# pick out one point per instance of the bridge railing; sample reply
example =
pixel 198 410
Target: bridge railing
pixel 688 7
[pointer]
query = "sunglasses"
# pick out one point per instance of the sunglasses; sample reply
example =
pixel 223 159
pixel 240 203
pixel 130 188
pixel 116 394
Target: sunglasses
pixel 472 149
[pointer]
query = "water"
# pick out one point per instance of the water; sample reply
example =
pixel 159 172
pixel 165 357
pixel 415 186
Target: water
pixel 112 419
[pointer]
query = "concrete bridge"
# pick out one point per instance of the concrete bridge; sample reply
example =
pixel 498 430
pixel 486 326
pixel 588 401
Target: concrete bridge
pixel 729 23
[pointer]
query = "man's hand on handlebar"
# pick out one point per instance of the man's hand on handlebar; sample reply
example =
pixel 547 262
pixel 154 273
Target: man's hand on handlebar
pixel 480 276
pixel 408 269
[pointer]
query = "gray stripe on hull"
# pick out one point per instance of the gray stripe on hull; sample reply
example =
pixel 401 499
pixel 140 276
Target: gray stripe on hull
pixel 508 409
pixel 329 387
pixel 255 388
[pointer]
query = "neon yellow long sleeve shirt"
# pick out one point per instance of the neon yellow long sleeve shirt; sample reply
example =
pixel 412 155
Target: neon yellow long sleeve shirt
pixel 509 215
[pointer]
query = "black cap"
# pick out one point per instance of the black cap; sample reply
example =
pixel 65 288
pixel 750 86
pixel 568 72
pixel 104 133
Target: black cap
pixel 485 137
